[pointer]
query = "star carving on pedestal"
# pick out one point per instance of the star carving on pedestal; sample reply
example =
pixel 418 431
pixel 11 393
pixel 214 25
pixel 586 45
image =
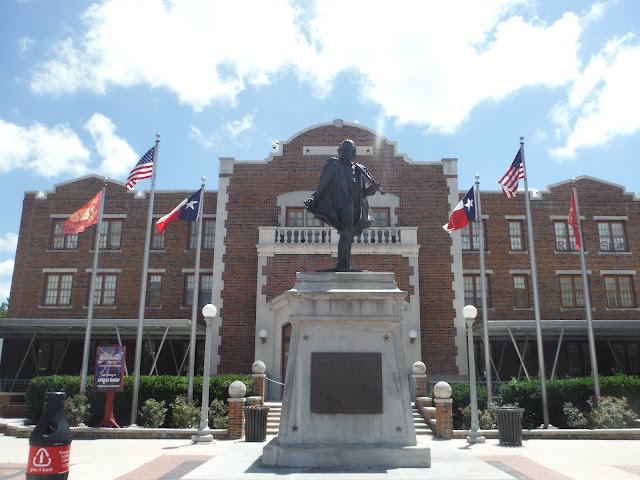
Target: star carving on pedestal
pixel 386 338
pixel 308 150
pixel 398 429
pixel 368 150
pixel 294 428
pixel 305 337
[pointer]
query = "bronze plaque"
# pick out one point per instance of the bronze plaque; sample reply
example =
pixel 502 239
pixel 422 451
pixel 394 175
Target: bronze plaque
pixel 343 382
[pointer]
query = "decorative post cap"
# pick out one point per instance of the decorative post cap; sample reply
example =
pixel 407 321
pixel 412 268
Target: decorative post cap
pixel 419 368
pixel 258 366
pixel 442 390
pixel 237 389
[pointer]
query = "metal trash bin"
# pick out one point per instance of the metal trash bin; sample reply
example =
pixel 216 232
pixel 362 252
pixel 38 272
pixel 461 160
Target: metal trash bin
pixel 509 420
pixel 255 423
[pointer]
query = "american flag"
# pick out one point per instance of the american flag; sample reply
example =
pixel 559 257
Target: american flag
pixel 142 170
pixel 510 179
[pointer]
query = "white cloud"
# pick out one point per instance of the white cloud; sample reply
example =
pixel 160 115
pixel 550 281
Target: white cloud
pixel 5 290
pixel 424 63
pixel 118 158
pixel 25 44
pixel 45 151
pixel 602 103
pixel 236 127
pixel 9 242
pixel 208 141
pixel 6 268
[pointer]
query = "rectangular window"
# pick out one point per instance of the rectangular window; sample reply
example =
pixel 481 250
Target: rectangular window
pixel 61 241
pixel 295 217
pixel 470 237
pixel 619 289
pixel 208 234
pixel 206 286
pixel 565 240
pixel 104 292
pixel 578 360
pixel 58 289
pixel 157 239
pixel 571 291
pixel 381 217
pixel 110 234
pixel 311 221
pixel 154 285
pixel 516 238
pixel 521 291
pixel 612 237
pixel 473 291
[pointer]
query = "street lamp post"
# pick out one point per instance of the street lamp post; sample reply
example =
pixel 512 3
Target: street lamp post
pixel 203 435
pixel 475 436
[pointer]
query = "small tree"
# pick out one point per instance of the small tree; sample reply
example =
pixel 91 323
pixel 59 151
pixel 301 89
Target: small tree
pixel 4 306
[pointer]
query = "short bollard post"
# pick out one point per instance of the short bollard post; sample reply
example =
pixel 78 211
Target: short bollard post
pixel 444 410
pixel 235 411
pixel 258 379
pixel 50 442
pixel 419 377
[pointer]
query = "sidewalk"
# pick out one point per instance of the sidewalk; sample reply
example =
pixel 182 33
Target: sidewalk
pixel 126 459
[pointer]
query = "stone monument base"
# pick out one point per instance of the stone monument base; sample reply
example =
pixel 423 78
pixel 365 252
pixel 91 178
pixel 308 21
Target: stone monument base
pixel 346 401
pixel 345 456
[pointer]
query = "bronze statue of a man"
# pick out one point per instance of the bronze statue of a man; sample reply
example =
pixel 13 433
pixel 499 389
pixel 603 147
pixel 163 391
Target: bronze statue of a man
pixel 340 200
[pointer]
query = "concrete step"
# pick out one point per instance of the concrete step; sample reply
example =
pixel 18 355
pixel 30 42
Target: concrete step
pixel 275 410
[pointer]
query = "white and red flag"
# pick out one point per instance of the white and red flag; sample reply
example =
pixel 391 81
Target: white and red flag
pixel 143 169
pixel 186 210
pixel 464 212
pixel 509 180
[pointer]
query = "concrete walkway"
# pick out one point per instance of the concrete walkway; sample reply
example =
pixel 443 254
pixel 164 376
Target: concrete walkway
pixel 127 459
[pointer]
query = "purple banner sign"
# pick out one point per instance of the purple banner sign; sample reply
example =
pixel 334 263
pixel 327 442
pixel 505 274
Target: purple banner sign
pixel 108 376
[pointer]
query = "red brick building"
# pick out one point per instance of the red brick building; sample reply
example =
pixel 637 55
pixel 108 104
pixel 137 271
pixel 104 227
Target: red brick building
pixel 257 235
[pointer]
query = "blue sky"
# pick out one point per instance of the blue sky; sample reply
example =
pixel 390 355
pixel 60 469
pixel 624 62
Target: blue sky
pixel 86 86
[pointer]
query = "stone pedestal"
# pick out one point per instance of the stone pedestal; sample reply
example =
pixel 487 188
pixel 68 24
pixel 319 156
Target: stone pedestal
pixel 346 401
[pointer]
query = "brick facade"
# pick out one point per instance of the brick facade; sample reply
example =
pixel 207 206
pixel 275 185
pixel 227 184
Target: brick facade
pixel 251 273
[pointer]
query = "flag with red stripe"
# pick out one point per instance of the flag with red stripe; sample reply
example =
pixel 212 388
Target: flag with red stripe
pixel 509 181
pixel 142 170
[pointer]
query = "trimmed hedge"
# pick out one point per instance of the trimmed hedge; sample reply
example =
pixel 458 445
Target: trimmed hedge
pixel 461 396
pixel 577 391
pixel 161 388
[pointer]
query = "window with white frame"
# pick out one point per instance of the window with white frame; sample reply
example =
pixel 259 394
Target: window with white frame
pixel 205 289
pixel 571 291
pixel 516 238
pixel 619 290
pixel 612 236
pixel 104 292
pixel 565 240
pixel 473 290
pixel 58 289
pixel 60 241
pixel 110 234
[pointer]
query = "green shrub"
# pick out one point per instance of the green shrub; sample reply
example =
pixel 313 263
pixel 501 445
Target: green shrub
pixel 574 418
pixel 218 414
pixel 576 391
pixel 76 409
pixel 69 384
pixel 153 413
pixel 461 396
pixel 184 415
pixel 162 388
pixel 487 417
pixel 611 413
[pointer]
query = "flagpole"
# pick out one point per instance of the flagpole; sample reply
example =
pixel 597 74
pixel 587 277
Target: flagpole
pixel 143 288
pixel 194 302
pixel 587 304
pixel 483 286
pixel 536 304
pixel 92 286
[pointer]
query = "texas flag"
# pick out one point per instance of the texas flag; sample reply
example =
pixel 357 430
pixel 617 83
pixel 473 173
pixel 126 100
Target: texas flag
pixel 464 212
pixel 186 210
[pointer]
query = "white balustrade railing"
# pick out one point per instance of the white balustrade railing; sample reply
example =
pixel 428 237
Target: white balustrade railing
pixel 327 235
